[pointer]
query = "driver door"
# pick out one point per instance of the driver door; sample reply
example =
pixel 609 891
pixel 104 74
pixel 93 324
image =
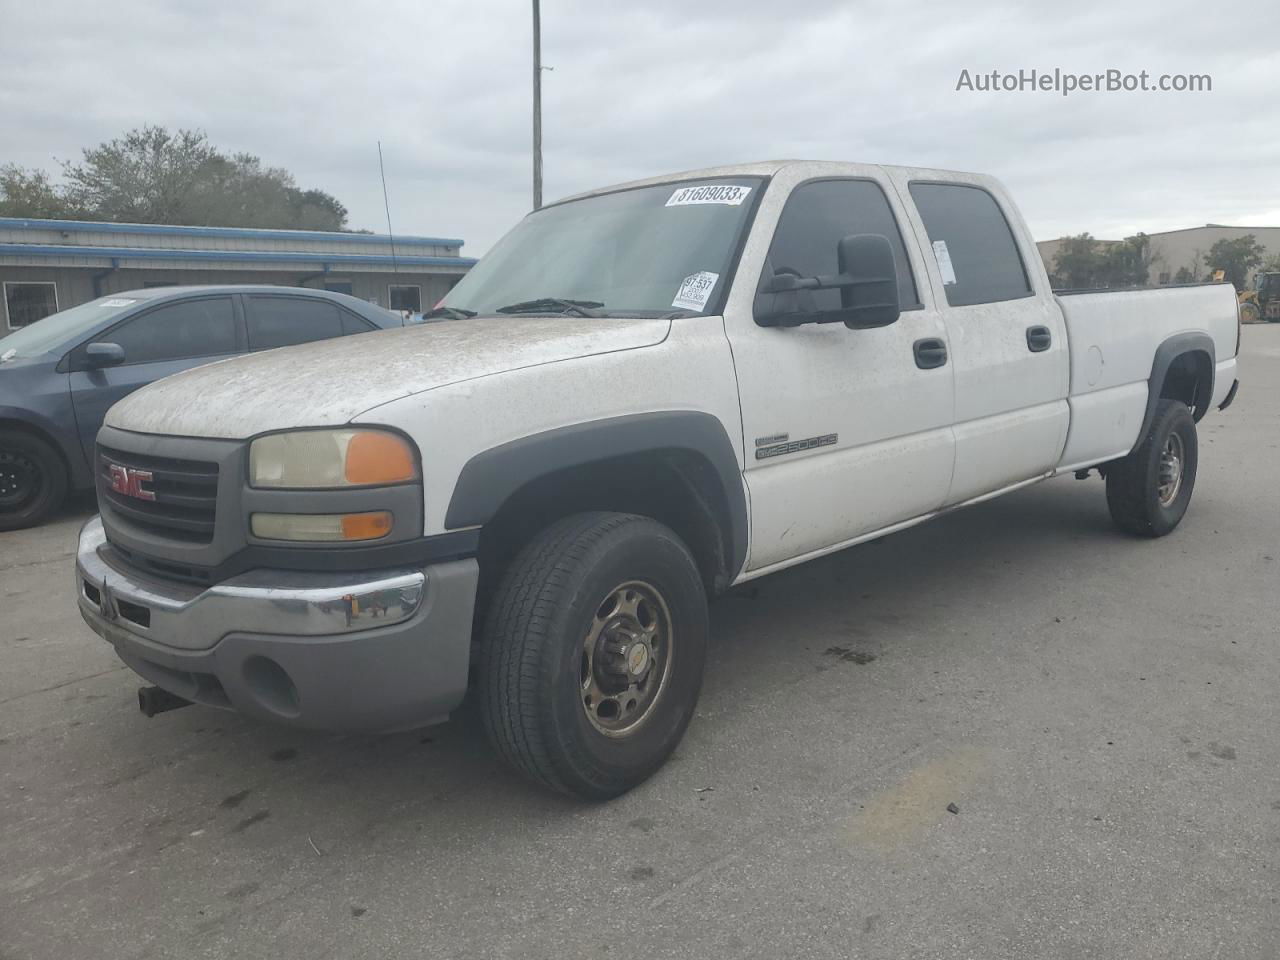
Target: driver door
pixel 846 431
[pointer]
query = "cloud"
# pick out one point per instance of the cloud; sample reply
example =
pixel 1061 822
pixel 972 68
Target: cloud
pixel 642 88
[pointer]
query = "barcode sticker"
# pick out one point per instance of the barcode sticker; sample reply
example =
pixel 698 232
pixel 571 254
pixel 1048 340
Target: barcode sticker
pixel 709 193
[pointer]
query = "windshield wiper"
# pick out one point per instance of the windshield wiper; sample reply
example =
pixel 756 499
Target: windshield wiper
pixel 453 313
pixel 583 308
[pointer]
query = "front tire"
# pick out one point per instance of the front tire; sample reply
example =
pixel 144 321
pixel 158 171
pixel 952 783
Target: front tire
pixel 1149 490
pixel 593 652
pixel 33 480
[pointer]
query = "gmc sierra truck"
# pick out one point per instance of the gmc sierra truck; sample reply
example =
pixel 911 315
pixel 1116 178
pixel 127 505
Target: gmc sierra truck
pixel 648 393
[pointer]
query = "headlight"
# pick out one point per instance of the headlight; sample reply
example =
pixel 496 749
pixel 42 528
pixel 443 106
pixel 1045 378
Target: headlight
pixel 331 458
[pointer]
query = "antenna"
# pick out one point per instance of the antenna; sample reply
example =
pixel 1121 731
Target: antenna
pixel 395 265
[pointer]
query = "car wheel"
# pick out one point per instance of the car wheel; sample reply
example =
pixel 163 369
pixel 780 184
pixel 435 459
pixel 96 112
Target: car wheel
pixel 593 651
pixel 1149 490
pixel 33 480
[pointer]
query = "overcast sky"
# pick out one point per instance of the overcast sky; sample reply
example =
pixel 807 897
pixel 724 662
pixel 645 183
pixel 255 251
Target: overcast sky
pixel 651 86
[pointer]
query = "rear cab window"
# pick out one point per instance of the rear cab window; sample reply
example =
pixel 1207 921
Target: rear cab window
pixel 973 244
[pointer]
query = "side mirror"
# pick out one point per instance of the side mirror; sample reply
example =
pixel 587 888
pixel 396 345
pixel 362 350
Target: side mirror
pixel 867 281
pixel 871 298
pixel 99 355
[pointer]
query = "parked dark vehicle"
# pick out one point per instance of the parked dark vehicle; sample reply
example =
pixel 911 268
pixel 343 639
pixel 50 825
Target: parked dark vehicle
pixel 59 376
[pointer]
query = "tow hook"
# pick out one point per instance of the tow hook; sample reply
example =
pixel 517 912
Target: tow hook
pixel 153 700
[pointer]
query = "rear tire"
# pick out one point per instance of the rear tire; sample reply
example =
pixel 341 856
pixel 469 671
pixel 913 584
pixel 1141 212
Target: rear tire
pixel 593 651
pixel 1149 490
pixel 33 480
pixel 1250 313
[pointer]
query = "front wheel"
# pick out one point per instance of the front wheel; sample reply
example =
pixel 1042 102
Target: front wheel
pixel 33 480
pixel 593 652
pixel 1149 490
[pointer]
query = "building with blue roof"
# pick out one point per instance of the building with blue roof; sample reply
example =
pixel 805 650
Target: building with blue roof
pixel 50 265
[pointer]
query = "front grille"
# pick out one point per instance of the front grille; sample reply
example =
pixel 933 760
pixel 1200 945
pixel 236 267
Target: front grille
pixel 186 495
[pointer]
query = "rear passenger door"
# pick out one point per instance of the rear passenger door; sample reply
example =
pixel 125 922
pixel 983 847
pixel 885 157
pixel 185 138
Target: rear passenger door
pixel 280 320
pixel 1008 343
pixel 159 342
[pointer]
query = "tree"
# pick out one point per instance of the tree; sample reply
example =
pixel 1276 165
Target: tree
pixel 28 193
pixel 1271 264
pixel 1076 264
pixel 150 175
pixel 1237 258
pixel 1184 275
pixel 1084 262
pixel 1128 262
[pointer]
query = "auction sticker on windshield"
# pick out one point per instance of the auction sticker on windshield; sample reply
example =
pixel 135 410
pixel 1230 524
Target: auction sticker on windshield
pixel 695 290
pixel 709 193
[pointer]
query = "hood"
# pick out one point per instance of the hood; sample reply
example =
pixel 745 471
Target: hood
pixel 330 382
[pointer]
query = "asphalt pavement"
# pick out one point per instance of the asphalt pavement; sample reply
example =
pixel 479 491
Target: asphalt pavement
pixel 1100 711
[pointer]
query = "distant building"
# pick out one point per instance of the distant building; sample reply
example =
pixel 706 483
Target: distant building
pixel 50 265
pixel 1182 248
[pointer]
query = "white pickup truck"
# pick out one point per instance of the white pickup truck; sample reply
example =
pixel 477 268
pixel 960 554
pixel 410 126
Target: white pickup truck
pixel 643 396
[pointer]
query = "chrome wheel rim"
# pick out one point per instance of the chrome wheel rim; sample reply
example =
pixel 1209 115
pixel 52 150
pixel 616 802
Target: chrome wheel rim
pixel 626 658
pixel 1172 461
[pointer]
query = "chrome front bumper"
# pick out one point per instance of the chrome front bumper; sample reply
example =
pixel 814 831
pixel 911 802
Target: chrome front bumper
pixel 191 617
pixel 341 651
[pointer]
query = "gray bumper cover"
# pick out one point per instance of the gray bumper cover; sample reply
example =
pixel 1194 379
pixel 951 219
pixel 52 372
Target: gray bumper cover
pixel 367 652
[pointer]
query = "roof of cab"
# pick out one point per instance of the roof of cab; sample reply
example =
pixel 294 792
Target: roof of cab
pixel 763 168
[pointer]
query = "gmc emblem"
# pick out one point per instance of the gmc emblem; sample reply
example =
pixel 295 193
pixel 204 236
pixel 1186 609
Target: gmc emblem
pixel 129 483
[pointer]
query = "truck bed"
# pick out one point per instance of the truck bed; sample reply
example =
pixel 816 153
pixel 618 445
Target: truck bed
pixel 1114 335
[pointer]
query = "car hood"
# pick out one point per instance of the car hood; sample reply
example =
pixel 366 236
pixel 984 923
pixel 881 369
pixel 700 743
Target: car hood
pixel 332 382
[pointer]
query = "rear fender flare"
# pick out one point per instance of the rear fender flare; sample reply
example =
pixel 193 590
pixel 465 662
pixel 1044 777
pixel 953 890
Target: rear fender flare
pixel 1169 351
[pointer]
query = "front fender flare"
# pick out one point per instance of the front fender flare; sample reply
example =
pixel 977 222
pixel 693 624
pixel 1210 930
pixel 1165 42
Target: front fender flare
pixel 489 478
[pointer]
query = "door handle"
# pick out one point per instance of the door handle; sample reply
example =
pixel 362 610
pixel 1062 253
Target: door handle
pixel 930 353
pixel 1039 339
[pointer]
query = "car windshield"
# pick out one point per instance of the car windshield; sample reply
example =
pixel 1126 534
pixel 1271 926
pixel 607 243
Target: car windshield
pixel 647 251
pixel 64 328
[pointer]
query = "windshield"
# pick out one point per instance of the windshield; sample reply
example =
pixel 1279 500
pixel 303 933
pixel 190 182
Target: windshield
pixel 648 251
pixel 63 329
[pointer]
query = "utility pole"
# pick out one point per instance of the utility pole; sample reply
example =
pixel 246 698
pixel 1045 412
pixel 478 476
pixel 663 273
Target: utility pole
pixel 537 105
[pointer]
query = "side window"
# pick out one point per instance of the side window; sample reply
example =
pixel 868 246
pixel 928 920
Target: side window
pixel 178 331
pixel 967 223
pixel 353 324
pixel 284 321
pixel 818 216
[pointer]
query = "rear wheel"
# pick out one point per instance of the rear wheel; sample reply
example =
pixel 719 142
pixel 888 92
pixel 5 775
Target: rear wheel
pixel 1149 490
pixel 1249 313
pixel 593 652
pixel 33 480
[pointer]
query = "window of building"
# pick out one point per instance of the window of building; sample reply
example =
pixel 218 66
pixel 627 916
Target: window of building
pixel 283 321
pixel 178 331
pixel 1164 277
pixel 818 216
pixel 405 297
pixel 25 303
pixel 971 236
pixel 339 286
